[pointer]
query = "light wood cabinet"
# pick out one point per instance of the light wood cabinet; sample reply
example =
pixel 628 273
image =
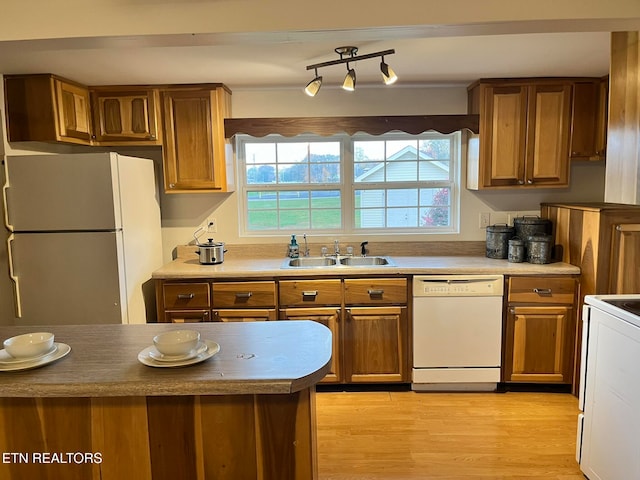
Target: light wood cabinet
pixel 540 330
pixel 375 330
pixel 375 340
pixel 250 301
pixel 600 238
pixel 524 134
pixel 330 318
pixel 183 302
pixel 47 108
pixel 319 301
pixel 125 115
pixel 195 155
pixel 589 119
pixel 368 317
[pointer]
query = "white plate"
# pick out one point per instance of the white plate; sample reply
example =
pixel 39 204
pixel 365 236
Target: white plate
pixel 62 349
pixel 6 359
pixel 212 349
pixel 160 357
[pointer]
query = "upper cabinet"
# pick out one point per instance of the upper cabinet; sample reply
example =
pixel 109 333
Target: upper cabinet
pixel 589 119
pixel 186 120
pixel 524 134
pixel 125 115
pixel 47 108
pixel 195 151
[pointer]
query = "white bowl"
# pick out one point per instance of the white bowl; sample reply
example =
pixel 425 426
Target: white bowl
pixel 176 342
pixel 29 345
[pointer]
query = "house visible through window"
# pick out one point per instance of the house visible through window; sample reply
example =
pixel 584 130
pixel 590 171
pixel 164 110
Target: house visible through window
pixel 392 183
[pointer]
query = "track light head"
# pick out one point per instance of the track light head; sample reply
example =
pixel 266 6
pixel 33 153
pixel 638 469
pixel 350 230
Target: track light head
pixel 349 83
pixel 388 75
pixel 314 85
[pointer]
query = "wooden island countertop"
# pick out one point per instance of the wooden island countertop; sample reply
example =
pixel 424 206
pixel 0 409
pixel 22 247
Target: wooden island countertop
pixel 248 412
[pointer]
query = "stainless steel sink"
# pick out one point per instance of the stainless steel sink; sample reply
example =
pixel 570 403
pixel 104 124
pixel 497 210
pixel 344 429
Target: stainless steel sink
pixel 308 262
pixel 333 262
pixel 366 261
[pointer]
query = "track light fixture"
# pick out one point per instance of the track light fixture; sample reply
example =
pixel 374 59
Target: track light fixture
pixel 313 86
pixel 347 56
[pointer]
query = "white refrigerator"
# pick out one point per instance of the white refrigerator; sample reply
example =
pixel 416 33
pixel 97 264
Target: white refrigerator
pixel 84 238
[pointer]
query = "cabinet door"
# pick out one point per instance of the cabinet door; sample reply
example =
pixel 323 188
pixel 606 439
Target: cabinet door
pixel 194 148
pixel 375 348
pixel 547 161
pixel 503 125
pixel 330 318
pixel 125 116
pixel 46 108
pixel 73 110
pixel 539 345
pixel 584 121
pixel 244 315
pixel 625 248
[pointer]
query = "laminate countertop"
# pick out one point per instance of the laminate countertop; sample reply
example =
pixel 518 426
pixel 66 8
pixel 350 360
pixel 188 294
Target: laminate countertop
pixel 254 358
pixel 189 267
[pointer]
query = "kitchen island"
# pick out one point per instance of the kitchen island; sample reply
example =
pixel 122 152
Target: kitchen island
pixel 248 412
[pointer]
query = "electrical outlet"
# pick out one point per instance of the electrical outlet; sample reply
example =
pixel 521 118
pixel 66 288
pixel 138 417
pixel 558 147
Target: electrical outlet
pixel 485 220
pixel 212 225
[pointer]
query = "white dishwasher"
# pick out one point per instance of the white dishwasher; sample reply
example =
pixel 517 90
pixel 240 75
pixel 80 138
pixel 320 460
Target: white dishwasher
pixel 457 332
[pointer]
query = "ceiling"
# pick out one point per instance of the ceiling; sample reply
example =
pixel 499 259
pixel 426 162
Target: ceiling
pixel 280 59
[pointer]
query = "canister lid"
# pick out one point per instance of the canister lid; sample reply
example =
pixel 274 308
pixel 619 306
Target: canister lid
pixel 500 228
pixel 516 241
pixel 531 220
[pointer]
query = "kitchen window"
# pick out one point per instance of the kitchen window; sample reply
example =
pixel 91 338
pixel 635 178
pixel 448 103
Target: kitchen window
pixel 391 183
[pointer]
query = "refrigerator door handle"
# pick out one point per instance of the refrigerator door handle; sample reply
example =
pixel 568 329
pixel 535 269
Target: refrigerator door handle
pixel 14 278
pixel 5 187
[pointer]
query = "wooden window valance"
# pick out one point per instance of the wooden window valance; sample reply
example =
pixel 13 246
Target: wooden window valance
pixel 291 126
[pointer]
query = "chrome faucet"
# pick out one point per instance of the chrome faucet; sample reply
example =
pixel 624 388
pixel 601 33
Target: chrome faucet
pixel 336 247
pixel 306 247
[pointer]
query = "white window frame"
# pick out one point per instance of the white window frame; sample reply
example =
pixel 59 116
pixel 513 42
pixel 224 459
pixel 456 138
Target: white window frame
pixel 348 186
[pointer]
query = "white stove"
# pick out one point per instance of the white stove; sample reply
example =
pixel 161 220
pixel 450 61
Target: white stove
pixel 607 444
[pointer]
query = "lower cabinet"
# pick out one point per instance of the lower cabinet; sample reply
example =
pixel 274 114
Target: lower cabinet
pixel 330 317
pixel 375 344
pixel 540 330
pixel 368 317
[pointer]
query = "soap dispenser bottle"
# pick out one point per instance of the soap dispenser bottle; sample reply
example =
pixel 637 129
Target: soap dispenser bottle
pixel 294 248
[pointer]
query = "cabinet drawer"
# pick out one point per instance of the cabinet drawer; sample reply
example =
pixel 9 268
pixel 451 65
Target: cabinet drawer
pixel 187 316
pixel 186 295
pixel 244 294
pixel 311 292
pixel 542 290
pixel 375 291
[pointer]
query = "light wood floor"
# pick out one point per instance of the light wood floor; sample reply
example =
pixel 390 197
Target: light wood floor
pixel 446 436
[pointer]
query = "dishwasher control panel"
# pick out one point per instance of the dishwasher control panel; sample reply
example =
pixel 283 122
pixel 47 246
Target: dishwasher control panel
pixel 458 285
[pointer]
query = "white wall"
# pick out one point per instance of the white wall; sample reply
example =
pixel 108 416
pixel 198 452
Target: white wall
pixel 182 214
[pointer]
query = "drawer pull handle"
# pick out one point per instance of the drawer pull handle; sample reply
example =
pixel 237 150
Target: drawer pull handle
pixel 310 293
pixel 375 293
pixel 186 296
pixel 244 295
pixel 542 291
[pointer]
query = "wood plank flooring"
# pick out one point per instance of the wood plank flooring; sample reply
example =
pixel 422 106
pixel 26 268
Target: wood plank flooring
pixel 446 436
